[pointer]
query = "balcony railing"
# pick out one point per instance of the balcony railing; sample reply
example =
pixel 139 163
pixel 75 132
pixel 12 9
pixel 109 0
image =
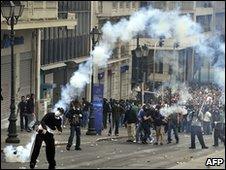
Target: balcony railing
pixel 112 9
pixel 34 10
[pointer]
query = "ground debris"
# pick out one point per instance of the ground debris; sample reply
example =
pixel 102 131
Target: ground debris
pixel 22 167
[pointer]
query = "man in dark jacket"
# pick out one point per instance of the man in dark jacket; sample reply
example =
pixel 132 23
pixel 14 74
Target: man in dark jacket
pixel 30 112
pixel 130 122
pixel 74 117
pixel 22 109
pixel 173 123
pixel 217 125
pixel 50 122
pixel 145 118
pixel 86 111
pixel 106 111
pixel 159 125
pixel 117 110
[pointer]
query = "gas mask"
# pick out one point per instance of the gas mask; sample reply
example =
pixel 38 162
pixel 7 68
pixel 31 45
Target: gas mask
pixel 57 113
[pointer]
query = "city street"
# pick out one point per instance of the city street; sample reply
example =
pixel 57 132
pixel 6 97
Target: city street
pixel 102 84
pixel 117 153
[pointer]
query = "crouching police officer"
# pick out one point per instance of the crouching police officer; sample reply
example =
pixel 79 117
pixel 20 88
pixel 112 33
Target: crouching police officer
pixel 51 121
pixel 74 116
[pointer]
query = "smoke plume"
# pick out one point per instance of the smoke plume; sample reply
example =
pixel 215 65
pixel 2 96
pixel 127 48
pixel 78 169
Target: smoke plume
pixel 19 153
pixel 154 22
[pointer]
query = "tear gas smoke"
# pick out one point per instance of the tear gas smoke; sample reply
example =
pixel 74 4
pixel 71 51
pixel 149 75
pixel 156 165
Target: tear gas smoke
pixel 154 22
pixel 166 111
pixel 19 153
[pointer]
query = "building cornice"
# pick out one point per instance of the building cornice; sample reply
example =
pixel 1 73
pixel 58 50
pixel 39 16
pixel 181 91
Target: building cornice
pixel 22 25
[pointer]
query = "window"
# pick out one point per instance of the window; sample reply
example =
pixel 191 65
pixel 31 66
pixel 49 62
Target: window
pixel 205 22
pixel 161 67
pixel 205 4
pixel 114 4
pixel 133 4
pixel 127 4
pixel 121 4
pixel 218 23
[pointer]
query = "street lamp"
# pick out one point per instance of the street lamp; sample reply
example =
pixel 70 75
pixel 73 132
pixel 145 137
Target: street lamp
pixel 140 52
pixel 95 36
pixel 161 43
pixel 11 11
pixel 175 45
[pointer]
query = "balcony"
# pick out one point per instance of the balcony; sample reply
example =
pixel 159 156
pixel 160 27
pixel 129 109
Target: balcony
pixel 219 6
pixel 34 10
pixel 184 6
pixel 108 9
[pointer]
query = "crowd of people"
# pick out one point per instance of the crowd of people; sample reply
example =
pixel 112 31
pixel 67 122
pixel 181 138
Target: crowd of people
pixel 204 116
pixel 145 122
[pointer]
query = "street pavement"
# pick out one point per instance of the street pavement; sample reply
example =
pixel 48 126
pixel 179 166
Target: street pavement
pixel 103 152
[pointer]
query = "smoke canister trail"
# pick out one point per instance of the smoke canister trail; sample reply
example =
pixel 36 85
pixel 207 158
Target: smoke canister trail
pixel 19 153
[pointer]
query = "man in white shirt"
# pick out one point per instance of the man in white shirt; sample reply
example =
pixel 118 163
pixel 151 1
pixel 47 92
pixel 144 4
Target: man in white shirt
pixel 207 122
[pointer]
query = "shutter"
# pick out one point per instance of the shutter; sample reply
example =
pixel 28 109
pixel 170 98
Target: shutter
pixel 6 89
pixel 25 74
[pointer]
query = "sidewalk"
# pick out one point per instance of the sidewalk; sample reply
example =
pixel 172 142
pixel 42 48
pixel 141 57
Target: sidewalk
pixel 61 139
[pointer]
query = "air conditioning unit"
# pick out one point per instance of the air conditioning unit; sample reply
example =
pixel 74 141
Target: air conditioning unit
pixel 71 15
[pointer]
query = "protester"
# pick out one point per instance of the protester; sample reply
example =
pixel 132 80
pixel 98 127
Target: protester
pixel 117 110
pixel 74 117
pixel 159 125
pixel 22 109
pixel 50 122
pixel 196 118
pixel 173 123
pixel 86 111
pixel 218 127
pixel 130 122
pixel 106 112
pixel 145 124
pixel 207 121
pixel 30 111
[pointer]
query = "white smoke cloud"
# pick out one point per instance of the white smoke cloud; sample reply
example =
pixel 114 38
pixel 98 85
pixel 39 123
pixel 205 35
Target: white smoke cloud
pixel 75 86
pixel 155 22
pixel 167 111
pixel 19 153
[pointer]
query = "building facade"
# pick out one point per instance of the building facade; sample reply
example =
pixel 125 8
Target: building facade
pixel 37 15
pixel 208 14
pixel 64 49
pixel 116 77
